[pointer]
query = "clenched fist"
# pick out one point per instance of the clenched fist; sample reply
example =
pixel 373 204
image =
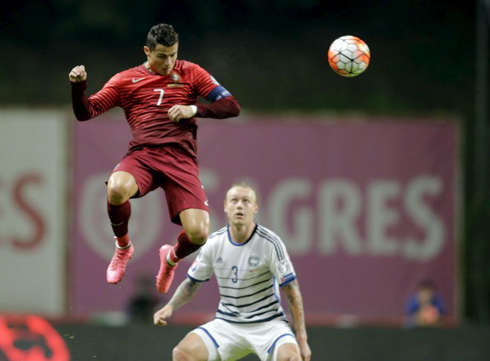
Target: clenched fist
pixel 78 74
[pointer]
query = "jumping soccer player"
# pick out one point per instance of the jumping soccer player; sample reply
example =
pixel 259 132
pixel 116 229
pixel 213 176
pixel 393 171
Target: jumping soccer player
pixel 250 262
pixel 159 99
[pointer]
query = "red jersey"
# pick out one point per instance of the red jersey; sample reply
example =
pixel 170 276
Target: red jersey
pixel 146 98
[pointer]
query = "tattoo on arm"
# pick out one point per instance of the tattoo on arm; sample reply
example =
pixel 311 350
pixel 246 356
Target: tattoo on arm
pixel 184 293
pixel 295 302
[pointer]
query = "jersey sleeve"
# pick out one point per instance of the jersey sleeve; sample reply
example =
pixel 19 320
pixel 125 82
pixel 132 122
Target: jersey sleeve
pixel 207 86
pixel 105 99
pixel 280 264
pixel 201 269
pixel 86 108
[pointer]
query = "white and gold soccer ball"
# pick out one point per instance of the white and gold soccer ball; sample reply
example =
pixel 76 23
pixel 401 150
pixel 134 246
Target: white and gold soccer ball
pixel 349 56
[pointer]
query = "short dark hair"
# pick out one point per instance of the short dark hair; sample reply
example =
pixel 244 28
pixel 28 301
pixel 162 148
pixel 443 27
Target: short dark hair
pixel 163 34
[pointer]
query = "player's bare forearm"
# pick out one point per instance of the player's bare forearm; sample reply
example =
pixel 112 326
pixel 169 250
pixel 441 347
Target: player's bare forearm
pixel 184 293
pixel 296 305
pixel 295 302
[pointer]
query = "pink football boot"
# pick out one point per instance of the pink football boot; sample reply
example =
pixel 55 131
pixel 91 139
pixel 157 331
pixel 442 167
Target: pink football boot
pixel 117 267
pixel 166 272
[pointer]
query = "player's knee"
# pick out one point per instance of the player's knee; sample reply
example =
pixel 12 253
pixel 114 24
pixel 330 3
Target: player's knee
pixel 120 187
pixel 117 193
pixel 198 235
pixel 288 352
pixel 181 354
pixel 289 358
pixel 196 225
pixel 177 354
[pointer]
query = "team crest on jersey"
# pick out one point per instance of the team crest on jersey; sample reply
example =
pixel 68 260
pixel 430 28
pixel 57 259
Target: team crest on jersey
pixel 176 80
pixel 253 261
pixel 175 77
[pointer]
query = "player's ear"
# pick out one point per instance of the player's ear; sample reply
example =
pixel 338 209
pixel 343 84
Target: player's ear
pixel 146 50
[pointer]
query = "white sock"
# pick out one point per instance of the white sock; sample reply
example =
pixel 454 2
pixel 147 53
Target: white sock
pixel 126 247
pixel 169 259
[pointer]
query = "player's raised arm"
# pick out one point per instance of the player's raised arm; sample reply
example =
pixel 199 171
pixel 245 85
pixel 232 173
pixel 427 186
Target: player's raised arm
pixel 184 293
pixel 85 107
pixel 295 302
pixel 79 99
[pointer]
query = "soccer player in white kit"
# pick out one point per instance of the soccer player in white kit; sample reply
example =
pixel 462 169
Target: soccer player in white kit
pixel 250 263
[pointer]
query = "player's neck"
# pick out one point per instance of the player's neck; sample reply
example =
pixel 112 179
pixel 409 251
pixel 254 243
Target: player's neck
pixel 147 66
pixel 241 233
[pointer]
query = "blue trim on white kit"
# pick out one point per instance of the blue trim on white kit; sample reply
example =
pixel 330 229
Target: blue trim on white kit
pixel 264 233
pixel 277 339
pixel 288 281
pixel 196 280
pixel 211 337
pixel 240 244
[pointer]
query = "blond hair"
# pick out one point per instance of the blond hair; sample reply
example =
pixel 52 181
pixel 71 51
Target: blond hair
pixel 243 185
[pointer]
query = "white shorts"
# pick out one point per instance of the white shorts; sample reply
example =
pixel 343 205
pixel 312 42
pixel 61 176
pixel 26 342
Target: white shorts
pixel 227 341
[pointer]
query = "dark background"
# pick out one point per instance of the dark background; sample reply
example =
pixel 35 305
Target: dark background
pixel 149 343
pixel 272 55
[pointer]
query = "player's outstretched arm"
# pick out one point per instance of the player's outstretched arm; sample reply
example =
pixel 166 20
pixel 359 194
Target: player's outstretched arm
pixel 183 294
pixel 295 302
pixel 85 107
pixel 220 109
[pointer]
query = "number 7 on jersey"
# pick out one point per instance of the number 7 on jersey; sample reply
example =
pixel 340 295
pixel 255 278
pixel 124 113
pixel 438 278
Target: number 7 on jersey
pixel 161 95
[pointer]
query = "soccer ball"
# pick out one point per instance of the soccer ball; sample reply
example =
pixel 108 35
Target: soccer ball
pixel 349 56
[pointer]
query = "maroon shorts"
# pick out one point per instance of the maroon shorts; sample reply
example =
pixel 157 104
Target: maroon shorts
pixel 169 167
